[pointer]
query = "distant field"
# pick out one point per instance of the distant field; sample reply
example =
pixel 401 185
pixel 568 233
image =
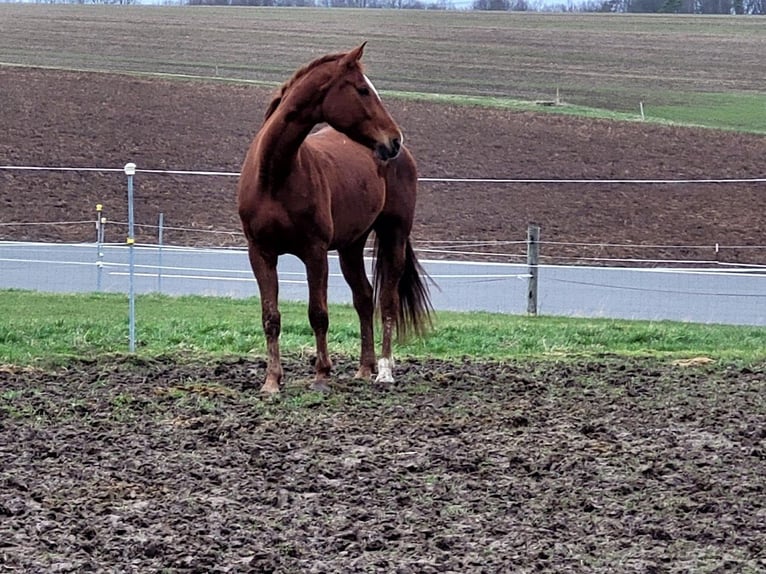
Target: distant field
pixel 697 69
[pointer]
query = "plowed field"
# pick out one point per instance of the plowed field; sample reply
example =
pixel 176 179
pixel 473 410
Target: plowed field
pixel 99 120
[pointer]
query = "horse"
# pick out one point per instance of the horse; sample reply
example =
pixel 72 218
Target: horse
pixel 306 191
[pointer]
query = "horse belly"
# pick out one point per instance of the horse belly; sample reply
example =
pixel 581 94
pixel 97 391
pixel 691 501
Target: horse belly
pixel 355 182
pixel 355 207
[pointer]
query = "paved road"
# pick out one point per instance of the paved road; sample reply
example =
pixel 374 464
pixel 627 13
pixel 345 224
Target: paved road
pixel 734 296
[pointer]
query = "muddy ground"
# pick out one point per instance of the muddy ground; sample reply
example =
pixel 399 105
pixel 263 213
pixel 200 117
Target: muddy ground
pixel 56 118
pixel 603 466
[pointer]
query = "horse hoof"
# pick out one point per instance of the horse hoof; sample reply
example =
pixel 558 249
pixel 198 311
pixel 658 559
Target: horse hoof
pixel 320 387
pixel 384 377
pixel 385 371
pixel 270 390
pixel 363 373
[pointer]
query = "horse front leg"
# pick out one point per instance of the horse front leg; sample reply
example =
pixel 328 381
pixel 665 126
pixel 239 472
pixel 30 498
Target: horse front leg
pixel 265 271
pixel 316 273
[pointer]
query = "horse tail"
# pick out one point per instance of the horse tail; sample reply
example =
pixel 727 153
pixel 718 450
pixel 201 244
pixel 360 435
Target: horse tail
pixel 413 315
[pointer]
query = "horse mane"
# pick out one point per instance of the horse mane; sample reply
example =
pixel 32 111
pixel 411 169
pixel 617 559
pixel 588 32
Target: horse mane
pixel 279 96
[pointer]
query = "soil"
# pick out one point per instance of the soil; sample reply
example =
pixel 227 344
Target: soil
pixel 78 119
pixel 611 465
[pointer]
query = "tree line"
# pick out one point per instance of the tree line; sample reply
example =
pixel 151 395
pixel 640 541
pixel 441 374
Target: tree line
pixel 617 6
pixel 755 7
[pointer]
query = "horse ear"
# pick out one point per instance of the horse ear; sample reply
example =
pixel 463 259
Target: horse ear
pixel 354 55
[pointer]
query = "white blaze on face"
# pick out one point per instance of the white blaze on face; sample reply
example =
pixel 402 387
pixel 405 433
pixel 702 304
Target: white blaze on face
pixel 374 91
pixel 369 83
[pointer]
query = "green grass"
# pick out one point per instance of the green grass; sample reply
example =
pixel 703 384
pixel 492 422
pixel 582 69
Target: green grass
pixel 703 70
pixel 732 111
pixel 46 329
pixel 740 111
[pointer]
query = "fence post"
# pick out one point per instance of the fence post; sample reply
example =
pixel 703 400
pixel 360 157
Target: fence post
pixel 533 260
pixel 160 233
pixel 130 171
pixel 100 220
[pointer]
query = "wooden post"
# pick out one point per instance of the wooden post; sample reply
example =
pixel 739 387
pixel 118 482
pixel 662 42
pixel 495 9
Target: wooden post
pixel 533 259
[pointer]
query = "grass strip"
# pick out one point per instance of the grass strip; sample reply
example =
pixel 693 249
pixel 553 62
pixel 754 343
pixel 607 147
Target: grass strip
pixel 51 329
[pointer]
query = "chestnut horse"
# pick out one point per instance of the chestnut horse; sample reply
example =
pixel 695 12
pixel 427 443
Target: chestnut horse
pixel 307 193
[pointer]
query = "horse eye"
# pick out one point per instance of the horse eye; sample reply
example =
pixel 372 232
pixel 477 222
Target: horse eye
pixel 363 91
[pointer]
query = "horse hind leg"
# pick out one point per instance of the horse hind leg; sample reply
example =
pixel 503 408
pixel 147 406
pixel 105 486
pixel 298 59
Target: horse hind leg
pixel 352 266
pixel 389 267
pixel 389 301
pixel 402 293
pixel 265 271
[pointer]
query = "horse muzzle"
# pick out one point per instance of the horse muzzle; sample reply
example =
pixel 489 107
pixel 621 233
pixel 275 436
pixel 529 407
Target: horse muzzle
pixel 387 151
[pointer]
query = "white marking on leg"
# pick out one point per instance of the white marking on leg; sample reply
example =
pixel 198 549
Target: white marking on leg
pixel 385 371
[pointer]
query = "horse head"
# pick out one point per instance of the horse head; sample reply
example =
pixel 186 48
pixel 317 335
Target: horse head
pixel 351 105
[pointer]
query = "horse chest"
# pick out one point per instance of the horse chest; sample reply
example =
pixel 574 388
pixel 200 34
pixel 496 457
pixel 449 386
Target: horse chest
pixel 271 222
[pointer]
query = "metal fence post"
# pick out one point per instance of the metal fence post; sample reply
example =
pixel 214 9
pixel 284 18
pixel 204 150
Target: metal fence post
pixel 100 220
pixel 533 260
pixel 130 171
pixel 160 233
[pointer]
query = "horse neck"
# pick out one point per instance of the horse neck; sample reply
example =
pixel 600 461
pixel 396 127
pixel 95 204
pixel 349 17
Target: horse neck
pixel 284 131
pixel 279 141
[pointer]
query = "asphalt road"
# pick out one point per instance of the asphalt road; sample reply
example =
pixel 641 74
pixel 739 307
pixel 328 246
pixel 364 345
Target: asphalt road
pixel 727 295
